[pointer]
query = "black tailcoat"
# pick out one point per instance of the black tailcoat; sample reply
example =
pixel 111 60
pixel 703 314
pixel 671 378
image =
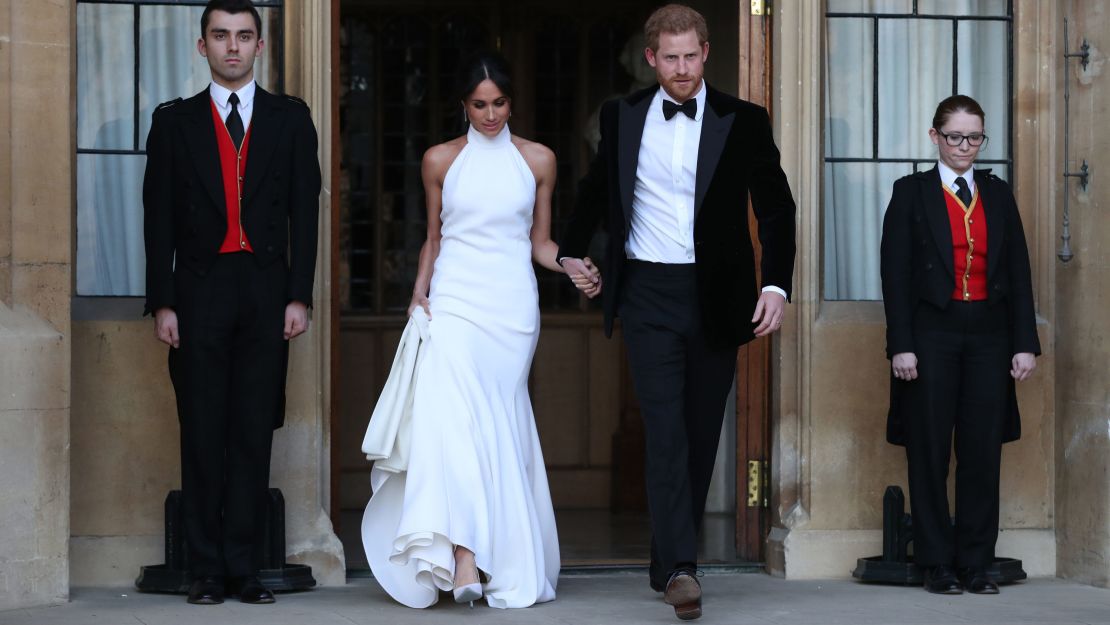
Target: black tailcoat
pixel 917 266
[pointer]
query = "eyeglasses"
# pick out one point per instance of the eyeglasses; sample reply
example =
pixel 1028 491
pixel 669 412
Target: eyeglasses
pixel 955 140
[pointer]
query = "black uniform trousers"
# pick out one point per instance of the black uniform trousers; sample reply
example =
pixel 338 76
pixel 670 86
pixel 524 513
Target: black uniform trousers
pixel 228 376
pixel 963 365
pixel 682 382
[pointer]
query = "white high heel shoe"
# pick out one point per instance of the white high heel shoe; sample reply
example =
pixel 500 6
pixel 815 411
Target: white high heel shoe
pixel 468 593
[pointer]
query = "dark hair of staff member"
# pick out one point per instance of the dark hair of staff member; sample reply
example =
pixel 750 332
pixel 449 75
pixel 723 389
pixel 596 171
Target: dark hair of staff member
pixel 960 331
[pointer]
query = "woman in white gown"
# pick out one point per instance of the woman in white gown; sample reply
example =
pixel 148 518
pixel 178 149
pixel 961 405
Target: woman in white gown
pixel 475 494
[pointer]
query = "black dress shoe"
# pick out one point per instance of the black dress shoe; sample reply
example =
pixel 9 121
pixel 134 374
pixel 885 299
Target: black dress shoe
pixel 251 590
pixel 942 580
pixel 208 590
pixel 978 582
pixel 684 593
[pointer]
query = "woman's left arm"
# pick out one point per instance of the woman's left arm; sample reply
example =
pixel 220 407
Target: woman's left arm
pixel 541 160
pixel 1026 345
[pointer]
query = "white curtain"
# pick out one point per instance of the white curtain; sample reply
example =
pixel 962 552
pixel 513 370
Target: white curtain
pixel 110 255
pixel 914 74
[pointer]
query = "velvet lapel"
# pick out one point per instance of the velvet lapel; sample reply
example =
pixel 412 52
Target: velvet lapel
pixel 632 115
pixel 266 123
pixel 714 131
pixel 995 216
pixel 200 136
pixel 936 212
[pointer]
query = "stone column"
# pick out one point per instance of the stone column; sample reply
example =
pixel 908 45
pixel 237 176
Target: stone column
pixel 1082 297
pixel 35 233
pixel 302 448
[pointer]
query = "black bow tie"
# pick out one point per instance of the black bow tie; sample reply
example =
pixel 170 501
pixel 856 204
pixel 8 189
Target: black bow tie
pixel 689 107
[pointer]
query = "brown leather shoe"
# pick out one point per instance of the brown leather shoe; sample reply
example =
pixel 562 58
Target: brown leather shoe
pixel 684 593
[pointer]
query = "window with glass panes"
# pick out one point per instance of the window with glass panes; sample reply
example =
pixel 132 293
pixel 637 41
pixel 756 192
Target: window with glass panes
pixel 888 63
pixel 131 56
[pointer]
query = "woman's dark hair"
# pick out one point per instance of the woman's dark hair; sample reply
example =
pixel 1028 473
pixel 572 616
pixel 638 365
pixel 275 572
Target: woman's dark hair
pixel 487 64
pixel 957 104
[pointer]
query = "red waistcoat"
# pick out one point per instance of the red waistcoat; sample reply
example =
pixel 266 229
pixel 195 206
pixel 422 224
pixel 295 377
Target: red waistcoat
pixel 969 247
pixel 233 164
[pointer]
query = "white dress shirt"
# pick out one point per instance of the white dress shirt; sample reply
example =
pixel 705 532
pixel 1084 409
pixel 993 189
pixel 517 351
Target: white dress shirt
pixel 948 177
pixel 220 95
pixel 663 197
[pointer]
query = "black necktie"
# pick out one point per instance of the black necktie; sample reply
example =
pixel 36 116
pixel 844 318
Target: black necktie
pixel 689 107
pixel 963 192
pixel 234 123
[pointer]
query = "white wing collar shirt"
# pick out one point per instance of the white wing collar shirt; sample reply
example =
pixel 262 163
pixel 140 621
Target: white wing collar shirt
pixel 948 177
pixel 220 95
pixel 663 198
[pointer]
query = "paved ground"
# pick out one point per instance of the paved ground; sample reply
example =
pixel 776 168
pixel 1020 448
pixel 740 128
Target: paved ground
pixel 604 599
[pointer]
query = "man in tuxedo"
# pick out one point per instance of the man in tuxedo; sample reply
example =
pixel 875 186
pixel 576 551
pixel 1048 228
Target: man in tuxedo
pixel 231 204
pixel 671 179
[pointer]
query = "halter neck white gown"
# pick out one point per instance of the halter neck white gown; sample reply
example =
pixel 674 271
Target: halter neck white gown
pixel 476 476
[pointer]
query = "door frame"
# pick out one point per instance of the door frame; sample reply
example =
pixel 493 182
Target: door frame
pixel 753 361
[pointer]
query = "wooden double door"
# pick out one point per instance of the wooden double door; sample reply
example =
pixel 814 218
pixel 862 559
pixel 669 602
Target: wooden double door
pixel 395 69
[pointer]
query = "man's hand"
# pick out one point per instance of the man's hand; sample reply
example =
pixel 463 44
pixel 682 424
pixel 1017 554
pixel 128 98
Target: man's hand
pixel 296 320
pixel 165 327
pixel 904 366
pixel 1022 365
pixel 584 274
pixel 768 313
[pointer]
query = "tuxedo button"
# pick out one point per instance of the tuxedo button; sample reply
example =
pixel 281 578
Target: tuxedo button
pixel 928 266
pixel 269 248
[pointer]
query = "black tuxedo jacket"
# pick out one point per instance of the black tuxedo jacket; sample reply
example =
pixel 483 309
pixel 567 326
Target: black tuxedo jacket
pixel 736 156
pixel 917 266
pixel 183 193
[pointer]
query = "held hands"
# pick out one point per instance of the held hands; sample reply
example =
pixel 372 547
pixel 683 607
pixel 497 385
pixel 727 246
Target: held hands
pixel 1022 366
pixel 904 366
pixel 769 313
pixel 584 274
pixel 296 320
pixel 421 301
pixel 165 327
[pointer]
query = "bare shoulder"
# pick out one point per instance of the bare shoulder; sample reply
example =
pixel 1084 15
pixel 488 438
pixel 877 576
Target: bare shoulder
pixel 438 158
pixel 539 157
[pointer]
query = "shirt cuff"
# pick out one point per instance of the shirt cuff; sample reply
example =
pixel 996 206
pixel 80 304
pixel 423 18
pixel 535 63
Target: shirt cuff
pixel 774 289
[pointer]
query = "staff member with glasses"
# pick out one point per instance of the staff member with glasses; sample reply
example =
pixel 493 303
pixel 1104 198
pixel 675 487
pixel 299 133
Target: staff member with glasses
pixel 960 332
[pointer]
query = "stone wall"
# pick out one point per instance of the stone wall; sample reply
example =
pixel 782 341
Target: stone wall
pixel 1083 298
pixel 35 233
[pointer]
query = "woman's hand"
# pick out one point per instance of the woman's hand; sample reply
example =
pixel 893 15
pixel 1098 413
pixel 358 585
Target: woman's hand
pixel 904 366
pixel 1022 366
pixel 588 283
pixel 421 301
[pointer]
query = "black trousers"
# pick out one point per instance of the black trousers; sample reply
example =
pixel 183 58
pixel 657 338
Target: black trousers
pixel 228 377
pixel 963 365
pixel 682 383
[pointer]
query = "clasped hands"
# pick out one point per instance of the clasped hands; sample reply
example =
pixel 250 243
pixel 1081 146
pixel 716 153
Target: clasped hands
pixel 584 274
